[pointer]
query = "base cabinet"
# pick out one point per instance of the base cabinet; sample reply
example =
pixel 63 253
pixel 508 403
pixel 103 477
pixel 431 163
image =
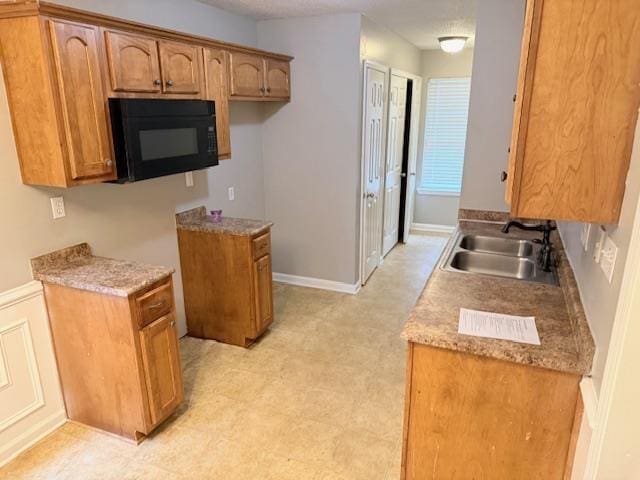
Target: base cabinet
pixel 474 417
pixel 117 357
pixel 227 285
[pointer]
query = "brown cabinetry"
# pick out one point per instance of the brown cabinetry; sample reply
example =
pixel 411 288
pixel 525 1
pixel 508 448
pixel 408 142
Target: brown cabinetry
pixel 58 93
pixel 474 417
pixel 216 73
pixel 576 110
pixel 117 357
pixel 258 78
pixel 227 284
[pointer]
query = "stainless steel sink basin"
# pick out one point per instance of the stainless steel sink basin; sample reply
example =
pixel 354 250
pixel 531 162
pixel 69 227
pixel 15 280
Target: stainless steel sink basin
pixel 501 265
pixel 497 256
pixel 503 246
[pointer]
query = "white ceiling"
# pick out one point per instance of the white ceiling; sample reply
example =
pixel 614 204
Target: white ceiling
pixel 420 22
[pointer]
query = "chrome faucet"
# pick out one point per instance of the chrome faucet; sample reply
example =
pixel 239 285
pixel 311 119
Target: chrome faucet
pixel 546 258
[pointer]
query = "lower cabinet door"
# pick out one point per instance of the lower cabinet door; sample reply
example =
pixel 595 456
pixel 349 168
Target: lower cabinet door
pixel 262 293
pixel 161 359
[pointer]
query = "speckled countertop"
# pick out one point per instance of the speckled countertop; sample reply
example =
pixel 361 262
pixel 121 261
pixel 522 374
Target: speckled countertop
pixel 197 220
pixel 566 341
pixel 77 267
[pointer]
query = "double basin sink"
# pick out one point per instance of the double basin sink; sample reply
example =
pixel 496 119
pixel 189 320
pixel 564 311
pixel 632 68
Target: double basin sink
pixel 497 256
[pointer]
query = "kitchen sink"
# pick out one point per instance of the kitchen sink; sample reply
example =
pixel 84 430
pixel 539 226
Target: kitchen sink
pixel 497 256
pixel 504 246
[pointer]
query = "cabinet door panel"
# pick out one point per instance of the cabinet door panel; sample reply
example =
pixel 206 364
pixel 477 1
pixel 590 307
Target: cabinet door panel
pixel 161 360
pixel 82 100
pixel 180 67
pixel 262 292
pixel 278 79
pixel 217 89
pixel 247 75
pixel 133 63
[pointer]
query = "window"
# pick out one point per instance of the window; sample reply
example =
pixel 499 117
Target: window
pixel 445 135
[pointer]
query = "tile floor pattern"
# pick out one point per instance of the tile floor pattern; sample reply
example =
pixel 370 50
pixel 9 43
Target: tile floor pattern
pixel 320 397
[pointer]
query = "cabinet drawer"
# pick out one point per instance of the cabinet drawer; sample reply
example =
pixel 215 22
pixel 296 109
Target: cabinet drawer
pixel 261 245
pixel 154 304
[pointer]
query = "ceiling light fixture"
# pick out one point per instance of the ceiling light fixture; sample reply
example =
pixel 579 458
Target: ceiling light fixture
pixel 452 44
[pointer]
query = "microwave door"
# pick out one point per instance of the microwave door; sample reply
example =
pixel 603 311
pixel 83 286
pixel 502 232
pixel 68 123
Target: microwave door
pixel 158 146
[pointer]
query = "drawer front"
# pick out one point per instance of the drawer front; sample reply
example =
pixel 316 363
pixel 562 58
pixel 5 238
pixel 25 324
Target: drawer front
pixel 261 246
pixel 154 304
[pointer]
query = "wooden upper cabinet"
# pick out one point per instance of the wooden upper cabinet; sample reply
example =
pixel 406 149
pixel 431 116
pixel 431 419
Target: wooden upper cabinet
pixel 277 75
pixel 82 99
pixel 216 72
pixel 133 63
pixel 180 65
pixel 246 75
pixel 161 359
pixel 576 110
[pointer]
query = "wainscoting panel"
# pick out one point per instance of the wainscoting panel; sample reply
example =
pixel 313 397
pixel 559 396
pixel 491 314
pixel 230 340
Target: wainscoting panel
pixel 31 403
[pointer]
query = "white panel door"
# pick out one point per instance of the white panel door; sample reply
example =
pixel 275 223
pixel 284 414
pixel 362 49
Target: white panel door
pixel 414 135
pixel 375 87
pixel 393 164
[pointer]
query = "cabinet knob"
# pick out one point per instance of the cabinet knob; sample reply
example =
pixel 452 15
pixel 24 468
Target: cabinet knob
pixel 503 176
pixel 268 89
pixel 157 81
pixel 169 83
pixel 262 89
pixel 108 162
pixel 515 97
pixel 172 323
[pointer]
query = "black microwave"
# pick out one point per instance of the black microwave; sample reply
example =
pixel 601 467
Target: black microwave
pixel 153 138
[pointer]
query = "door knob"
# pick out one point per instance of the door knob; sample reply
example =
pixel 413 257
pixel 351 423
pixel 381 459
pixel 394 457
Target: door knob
pixel 413 174
pixel 370 195
pixel 169 83
pixel 403 175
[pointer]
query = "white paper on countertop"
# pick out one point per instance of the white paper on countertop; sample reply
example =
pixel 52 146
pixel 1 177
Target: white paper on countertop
pixel 498 325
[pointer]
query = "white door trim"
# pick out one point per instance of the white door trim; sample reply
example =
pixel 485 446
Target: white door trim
pixel 384 69
pixel 628 311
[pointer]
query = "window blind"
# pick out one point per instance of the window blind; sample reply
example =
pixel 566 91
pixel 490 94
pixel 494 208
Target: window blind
pixel 445 135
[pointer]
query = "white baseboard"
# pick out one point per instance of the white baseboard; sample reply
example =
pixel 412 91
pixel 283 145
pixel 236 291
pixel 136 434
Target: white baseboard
pixel 432 228
pixel 31 436
pixel 317 283
pixel 590 400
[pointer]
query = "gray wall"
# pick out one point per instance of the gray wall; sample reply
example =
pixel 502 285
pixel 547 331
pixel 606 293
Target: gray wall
pixel 381 45
pixel 132 221
pixel 499 27
pixel 311 148
pixel 599 297
pixel 438 209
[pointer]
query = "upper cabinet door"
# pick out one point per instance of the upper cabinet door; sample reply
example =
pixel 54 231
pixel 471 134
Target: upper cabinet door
pixel 82 100
pixel 133 63
pixel 278 79
pixel 180 66
pixel 247 75
pixel 217 89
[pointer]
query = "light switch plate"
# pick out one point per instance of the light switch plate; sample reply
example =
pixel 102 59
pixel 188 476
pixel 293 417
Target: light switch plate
pixel 57 207
pixel 232 193
pixel 608 257
pixel 188 178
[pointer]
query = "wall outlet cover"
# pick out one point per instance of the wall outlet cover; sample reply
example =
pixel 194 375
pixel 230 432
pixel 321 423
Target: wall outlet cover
pixel 597 250
pixel 608 255
pixel 57 207
pixel 232 193
pixel 188 178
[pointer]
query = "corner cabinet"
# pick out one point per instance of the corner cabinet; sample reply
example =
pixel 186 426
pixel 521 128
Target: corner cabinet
pixel 118 357
pixel 258 78
pixel 576 109
pixel 61 66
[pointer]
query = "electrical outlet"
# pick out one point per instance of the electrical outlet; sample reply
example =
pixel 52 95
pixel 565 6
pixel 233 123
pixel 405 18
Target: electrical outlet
pixel 57 207
pixel 232 194
pixel 188 178
pixel 608 255
pixel 585 233
pixel 597 249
